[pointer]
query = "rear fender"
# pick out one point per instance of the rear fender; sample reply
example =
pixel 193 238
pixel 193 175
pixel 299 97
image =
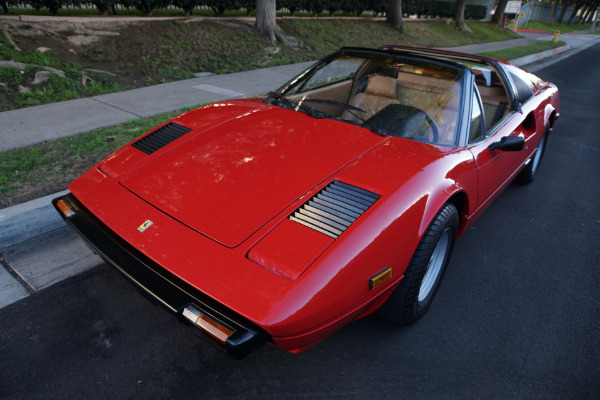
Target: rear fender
pixel 549 115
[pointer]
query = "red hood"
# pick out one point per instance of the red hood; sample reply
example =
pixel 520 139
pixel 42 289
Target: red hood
pixel 229 180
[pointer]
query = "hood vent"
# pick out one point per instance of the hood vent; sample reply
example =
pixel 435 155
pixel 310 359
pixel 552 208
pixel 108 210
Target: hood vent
pixel 334 208
pixel 161 137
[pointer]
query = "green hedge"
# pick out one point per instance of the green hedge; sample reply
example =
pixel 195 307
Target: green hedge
pixel 421 8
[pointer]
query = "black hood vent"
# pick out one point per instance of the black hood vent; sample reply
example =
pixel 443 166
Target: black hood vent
pixel 161 137
pixel 334 208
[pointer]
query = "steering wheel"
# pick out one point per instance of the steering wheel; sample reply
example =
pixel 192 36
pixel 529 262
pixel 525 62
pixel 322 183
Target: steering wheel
pixel 434 129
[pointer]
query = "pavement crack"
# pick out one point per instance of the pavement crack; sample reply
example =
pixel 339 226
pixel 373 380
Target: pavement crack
pixel 15 275
pixel 118 108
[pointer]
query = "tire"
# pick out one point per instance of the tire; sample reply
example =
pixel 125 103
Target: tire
pixel 528 174
pixel 413 297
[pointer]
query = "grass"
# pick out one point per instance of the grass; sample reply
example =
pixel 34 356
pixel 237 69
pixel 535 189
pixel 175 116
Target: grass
pixel 326 35
pixel 49 167
pixel 563 28
pixel 166 12
pixel 481 32
pixel 516 52
pixel 56 88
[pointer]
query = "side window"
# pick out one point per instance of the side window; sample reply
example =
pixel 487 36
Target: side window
pixel 476 132
pixel 524 88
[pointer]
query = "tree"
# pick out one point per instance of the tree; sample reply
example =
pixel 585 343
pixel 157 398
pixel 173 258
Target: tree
pixel 265 18
pixel 394 14
pixel 587 12
pixel 103 6
pixel 314 6
pixel 4 7
pixel 52 5
pixel 220 6
pixel 187 5
pixel 499 14
pixel 249 5
pixel 565 4
pixel 590 16
pixel 576 7
pixel 291 5
pixel 553 12
pixel 146 6
pixel 459 15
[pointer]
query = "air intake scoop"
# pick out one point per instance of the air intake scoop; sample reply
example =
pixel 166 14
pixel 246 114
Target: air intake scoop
pixel 334 208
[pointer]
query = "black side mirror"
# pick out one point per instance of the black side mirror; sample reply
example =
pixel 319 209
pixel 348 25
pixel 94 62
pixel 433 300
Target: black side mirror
pixel 508 143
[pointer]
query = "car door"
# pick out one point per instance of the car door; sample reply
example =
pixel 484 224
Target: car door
pixel 495 168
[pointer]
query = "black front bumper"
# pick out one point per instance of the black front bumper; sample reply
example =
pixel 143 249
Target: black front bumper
pixel 161 285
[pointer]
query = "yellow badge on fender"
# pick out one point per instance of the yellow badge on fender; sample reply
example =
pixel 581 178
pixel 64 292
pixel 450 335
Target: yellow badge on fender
pixel 145 225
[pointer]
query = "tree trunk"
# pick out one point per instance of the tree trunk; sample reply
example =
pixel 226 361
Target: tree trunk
pixel 394 14
pixel 565 5
pixel 574 12
pixel 553 13
pixel 590 16
pixel 265 18
pixel 4 7
pixel 499 14
pixel 459 16
pixel 583 14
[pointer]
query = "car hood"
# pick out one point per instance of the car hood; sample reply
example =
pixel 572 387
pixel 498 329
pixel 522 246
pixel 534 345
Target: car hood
pixel 227 181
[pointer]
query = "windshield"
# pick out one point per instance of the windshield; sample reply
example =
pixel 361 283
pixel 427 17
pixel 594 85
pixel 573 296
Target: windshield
pixel 391 95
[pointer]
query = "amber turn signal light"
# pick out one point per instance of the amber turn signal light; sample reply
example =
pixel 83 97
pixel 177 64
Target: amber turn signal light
pixel 207 324
pixel 65 208
pixel 380 278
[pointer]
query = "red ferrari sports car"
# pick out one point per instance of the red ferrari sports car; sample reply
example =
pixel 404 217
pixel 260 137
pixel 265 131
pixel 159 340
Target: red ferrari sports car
pixel 282 219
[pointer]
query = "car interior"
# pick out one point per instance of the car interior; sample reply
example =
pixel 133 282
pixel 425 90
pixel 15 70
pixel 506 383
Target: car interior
pixel 400 98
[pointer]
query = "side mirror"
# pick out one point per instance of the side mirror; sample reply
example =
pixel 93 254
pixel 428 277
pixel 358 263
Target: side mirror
pixel 508 143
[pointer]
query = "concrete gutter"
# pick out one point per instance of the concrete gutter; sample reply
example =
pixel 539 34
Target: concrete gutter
pixel 28 220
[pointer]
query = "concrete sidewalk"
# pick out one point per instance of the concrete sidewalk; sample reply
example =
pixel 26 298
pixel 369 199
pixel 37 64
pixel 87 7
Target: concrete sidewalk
pixel 38 250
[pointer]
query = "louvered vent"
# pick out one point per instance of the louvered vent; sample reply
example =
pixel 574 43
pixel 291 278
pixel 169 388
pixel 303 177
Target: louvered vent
pixel 334 208
pixel 160 137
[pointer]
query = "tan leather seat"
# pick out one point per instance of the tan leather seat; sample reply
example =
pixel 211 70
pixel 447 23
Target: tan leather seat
pixel 493 98
pixel 380 92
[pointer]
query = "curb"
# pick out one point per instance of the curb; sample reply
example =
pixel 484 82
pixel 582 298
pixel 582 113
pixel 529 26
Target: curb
pixel 532 31
pixel 28 220
pixel 522 61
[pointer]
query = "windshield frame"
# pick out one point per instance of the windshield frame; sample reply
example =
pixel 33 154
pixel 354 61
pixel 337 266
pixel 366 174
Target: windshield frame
pixel 462 74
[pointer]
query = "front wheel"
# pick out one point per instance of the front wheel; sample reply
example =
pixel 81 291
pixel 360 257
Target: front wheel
pixel 413 297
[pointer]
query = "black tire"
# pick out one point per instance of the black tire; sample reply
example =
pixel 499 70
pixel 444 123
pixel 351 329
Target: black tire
pixel 413 297
pixel 527 175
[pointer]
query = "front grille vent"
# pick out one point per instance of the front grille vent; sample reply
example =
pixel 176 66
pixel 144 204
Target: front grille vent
pixel 334 208
pixel 160 137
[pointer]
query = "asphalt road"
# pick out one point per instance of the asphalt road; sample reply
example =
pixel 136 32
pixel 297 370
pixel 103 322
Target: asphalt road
pixel 517 317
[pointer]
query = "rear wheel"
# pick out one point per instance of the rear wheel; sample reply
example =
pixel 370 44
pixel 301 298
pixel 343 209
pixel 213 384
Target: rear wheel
pixel 411 300
pixel 528 174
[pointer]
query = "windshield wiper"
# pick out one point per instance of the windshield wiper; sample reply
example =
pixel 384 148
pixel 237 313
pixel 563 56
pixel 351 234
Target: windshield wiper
pixel 318 114
pixel 348 107
pixel 338 103
pixel 376 130
pixel 310 111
